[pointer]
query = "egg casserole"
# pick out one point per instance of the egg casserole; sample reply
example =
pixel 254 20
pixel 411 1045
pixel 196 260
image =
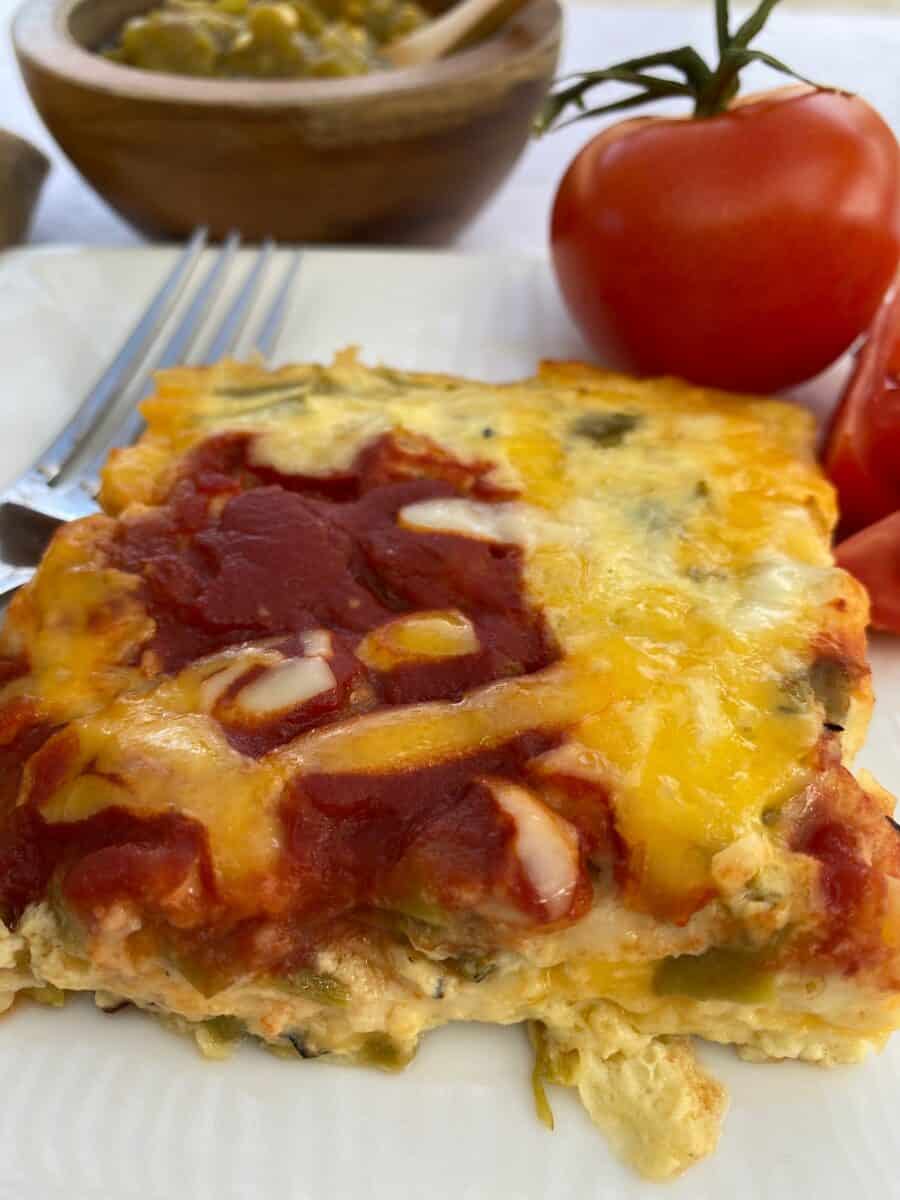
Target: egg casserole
pixel 376 700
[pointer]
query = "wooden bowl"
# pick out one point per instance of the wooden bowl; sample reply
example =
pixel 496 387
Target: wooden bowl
pixel 399 156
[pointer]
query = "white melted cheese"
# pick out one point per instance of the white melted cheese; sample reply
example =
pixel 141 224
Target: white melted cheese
pixel 545 846
pixel 709 718
pixel 575 761
pixel 289 684
pixel 775 592
pixel 213 689
pixel 510 523
pixel 317 643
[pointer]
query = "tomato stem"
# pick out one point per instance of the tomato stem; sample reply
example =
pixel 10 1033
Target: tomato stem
pixel 754 24
pixel 711 90
pixel 722 21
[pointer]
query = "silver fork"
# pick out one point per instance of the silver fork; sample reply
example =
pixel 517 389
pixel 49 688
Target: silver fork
pixel 63 483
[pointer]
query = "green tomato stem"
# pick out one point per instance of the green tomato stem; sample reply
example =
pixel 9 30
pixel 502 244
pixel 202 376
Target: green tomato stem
pixel 711 90
pixel 723 37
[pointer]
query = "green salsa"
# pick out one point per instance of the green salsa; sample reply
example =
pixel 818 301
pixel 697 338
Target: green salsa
pixel 258 39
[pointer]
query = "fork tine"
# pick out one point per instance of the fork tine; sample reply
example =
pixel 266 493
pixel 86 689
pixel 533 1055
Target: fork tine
pixel 74 495
pixel 175 350
pixel 123 366
pixel 231 326
pixel 179 344
pixel 267 334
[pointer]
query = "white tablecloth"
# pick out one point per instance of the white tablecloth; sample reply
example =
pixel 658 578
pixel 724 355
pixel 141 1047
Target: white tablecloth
pixel 859 51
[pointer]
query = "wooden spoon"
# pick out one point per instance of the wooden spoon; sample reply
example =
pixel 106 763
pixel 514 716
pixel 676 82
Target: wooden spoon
pixel 449 31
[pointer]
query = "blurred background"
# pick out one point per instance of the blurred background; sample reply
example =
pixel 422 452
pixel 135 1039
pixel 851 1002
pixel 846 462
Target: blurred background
pixel 851 44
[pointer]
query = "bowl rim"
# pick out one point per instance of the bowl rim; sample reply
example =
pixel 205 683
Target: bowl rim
pixel 41 36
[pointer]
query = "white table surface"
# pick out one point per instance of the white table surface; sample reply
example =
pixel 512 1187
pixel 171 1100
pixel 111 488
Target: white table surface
pixel 858 50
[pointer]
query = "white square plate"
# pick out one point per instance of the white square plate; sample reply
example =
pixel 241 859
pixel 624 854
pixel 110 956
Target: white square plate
pixel 112 1108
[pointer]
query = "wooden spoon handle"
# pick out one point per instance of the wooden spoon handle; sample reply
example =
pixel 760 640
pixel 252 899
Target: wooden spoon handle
pixel 433 40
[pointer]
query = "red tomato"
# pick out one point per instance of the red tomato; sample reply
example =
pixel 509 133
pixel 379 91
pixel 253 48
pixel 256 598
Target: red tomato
pixel 862 450
pixel 873 556
pixel 745 250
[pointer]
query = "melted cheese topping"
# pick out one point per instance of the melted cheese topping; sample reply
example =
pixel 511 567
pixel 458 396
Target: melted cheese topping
pixel 675 541
pixel 418 638
pixel 682 566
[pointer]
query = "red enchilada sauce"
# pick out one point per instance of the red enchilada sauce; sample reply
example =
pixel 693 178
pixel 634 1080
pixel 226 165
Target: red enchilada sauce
pixel 858 850
pixel 284 555
pixel 241 553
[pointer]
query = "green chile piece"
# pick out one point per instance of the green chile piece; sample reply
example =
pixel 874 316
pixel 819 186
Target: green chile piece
pixel 48 994
pixel 209 978
pixel 225 1029
pixel 742 976
pixel 380 1050
pixel 606 428
pixel 323 989
pixel 832 685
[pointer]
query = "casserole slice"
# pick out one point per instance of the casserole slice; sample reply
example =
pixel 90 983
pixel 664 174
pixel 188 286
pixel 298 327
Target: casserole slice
pixel 377 700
